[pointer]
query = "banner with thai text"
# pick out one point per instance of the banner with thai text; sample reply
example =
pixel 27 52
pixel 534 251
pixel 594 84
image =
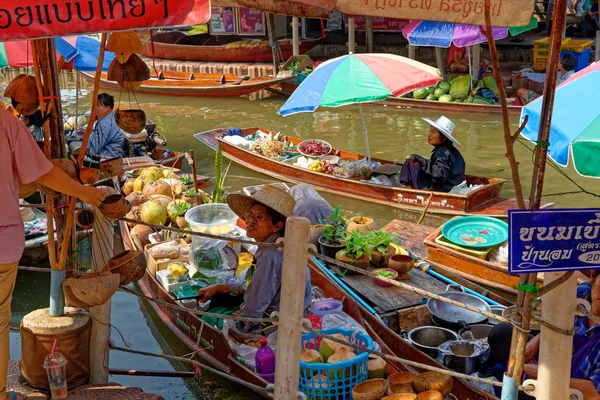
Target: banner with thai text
pixel 47 18
pixel 380 24
pixel 503 12
pixel 298 8
pixel 553 240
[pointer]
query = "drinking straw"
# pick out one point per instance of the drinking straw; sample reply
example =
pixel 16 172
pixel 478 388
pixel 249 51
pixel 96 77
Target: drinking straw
pixel 53 358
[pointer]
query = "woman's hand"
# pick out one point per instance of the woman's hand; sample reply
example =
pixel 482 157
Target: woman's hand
pixel 531 370
pixel 92 196
pixel 209 292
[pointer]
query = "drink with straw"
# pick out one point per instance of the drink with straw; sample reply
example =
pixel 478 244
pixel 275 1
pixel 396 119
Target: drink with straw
pixel 55 365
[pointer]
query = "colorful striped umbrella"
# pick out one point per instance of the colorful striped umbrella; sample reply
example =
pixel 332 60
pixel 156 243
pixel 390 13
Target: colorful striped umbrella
pixel 575 126
pixel 442 34
pixel 17 54
pixel 359 78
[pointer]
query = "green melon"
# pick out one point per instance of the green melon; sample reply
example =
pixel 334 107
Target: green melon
pixel 431 89
pixel 420 93
pixel 469 99
pixel 431 97
pixel 445 86
pixel 438 93
pixel 445 99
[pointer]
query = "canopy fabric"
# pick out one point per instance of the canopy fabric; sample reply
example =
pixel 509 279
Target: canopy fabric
pixel 88 51
pixel 298 8
pixel 50 18
pixel 575 129
pixel 359 78
pixel 18 54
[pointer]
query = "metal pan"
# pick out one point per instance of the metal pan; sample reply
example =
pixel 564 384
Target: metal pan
pixel 451 316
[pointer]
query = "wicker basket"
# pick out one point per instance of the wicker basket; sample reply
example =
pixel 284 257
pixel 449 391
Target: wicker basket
pixel 131 121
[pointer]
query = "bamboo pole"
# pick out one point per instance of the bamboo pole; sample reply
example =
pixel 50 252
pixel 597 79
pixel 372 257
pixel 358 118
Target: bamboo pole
pixel 192 163
pixel 295 36
pixel 351 35
pixel 295 257
pixel 369 34
pixel 273 42
pixel 412 50
pixel 441 65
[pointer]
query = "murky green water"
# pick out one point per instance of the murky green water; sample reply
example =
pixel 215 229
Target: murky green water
pixel 393 134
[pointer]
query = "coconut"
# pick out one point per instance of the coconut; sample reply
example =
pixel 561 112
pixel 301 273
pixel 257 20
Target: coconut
pixel 136 199
pixel 328 347
pixel 134 213
pixel 128 186
pixel 142 232
pixel 157 187
pixel 181 222
pixel 310 356
pixel 140 182
pixel 162 199
pixel 153 212
pixel 168 173
pixel 343 354
pixel 376 367
pixel 177 208
pixel 320 382
pixel 154 173
pixel 176 185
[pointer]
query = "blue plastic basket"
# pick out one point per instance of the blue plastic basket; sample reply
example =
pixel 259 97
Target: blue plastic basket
pixel 300 77
pixel 334 381
pixel 583 58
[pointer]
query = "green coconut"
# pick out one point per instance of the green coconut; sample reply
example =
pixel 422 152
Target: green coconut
pixel 343 354
pixel 153 173
pixel 178 208
pixel 153 212
pixel 310 356
pixel 329 347
pixel 140 182
pixel 376 367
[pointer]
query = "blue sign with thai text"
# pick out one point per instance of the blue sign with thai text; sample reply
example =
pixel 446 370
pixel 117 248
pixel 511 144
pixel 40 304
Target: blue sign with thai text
pixel 553 240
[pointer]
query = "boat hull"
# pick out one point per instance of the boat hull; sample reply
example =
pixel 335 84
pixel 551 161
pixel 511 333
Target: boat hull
pixel 221 53
pixel 483 201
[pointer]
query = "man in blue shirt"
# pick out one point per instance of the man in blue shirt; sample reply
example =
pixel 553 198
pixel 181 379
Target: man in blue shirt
pixel 106 139
pixel 566 68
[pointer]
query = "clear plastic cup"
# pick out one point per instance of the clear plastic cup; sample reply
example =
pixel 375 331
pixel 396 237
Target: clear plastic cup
pixel 56 368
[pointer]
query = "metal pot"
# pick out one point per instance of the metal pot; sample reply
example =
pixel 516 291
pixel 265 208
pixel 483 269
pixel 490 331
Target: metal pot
pixel 428 338
pixel 464 355
pixel 478 331
pixel 498 311
pixel 454 317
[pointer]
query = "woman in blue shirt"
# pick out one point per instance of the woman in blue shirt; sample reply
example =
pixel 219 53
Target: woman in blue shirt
pixel 106 139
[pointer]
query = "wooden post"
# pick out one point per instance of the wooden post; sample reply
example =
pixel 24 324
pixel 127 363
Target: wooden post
pixel 351 35
pixel 412 51
pixel 476 59
pixel 272 42
pixel 295 257
pixel 295 36
pixel 554 370
pixel 102 251
pixel 441 65
pixel 192 163
pixel 369 34
pixel 597 58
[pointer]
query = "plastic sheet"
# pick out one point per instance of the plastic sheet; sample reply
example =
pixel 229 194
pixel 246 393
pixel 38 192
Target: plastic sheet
pixel 463 188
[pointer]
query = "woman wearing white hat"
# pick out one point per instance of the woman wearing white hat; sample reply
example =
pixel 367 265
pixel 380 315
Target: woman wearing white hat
pixel 265 213
pixel 445 169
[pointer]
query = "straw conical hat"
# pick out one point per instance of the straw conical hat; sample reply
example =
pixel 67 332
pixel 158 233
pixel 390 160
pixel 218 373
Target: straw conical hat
pixel 269 196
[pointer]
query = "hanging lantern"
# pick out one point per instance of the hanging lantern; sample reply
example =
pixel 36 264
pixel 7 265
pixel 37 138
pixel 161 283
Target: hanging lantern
pixel 131 121
pixel 134 70
pixel 24 94
pixel 124 44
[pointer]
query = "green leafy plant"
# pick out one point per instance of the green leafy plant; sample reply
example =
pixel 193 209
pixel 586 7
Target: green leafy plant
pixel 336 225
pixel 218 194
pixel 186 179
pixel 190 193
pixel 380 240
pixel 357 244
pixel 181 207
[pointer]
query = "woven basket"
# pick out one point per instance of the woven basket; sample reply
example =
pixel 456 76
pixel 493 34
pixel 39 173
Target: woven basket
pixel 23 90
pixel 130 265
pixel 131 121
pixel 115 206
pixel 90 290
pixel 124 44
pixel 134 70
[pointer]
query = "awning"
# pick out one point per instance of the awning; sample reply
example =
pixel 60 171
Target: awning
pixel 18 54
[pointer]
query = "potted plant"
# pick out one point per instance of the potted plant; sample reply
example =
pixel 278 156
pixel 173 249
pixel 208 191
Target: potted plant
pixel 363 224
pixel 186 181
pixel 357 251
pixel 382 250
pixel 331 240
pixel 190 196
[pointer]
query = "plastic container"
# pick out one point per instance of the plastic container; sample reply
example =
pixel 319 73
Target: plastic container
pixel 583 58
pixel 334 381
pixel 481 254
pixel 56 368
pixel 324 307
pixel 265 361
pixel 215 219
pixel 384 283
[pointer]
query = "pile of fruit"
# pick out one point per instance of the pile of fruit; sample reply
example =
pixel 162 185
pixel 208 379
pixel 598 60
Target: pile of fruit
pixel 458 90
pixel 314 148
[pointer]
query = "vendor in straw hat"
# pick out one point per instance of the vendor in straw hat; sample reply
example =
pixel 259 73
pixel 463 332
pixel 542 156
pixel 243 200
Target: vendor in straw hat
pixel 445 169
pixel 265 213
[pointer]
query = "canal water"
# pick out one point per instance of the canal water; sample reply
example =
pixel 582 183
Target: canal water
pixel 393 134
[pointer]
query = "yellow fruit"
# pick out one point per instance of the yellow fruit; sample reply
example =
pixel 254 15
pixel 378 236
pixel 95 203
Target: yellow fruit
pixel 398 249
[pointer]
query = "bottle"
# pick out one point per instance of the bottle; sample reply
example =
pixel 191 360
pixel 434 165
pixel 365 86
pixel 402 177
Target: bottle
pixel 55 365
pixel 265 361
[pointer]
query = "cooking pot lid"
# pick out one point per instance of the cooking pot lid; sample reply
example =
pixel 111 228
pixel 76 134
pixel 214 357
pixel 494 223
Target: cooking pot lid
pixel 453 314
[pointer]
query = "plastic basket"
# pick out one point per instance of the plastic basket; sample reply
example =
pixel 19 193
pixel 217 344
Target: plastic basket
pixel 575 46
pixel 334 381
pixel 583 58
pixel 300 77
pixel 540 60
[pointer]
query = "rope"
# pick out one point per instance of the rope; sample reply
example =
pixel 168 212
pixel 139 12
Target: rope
pixel 197 312
pixel 195 364
pixel 206 235
pixel 404 361
pixel 588 314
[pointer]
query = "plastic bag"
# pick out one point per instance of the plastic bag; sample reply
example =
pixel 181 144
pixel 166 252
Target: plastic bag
pixel 245 352
pixel 486 387
pixel 499 255
pixel 463 188
pixel 340 319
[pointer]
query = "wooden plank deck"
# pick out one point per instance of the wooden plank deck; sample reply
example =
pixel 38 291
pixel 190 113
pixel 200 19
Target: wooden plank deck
pixel 390 299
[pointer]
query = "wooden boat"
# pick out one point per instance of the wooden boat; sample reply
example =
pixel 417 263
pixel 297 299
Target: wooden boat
pixel 195 334
pixel 286 88
pixel 482 271
pixel 231 48
pixel 192 84
pixel 483 201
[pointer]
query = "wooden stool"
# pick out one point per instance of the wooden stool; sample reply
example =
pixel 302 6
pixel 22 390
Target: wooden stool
pixel 72 334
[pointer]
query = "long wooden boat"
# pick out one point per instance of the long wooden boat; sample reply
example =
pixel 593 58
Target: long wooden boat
pixel 192 84
pixel 216 351
pixel 286 88
pixel 179 46
pixel 483 201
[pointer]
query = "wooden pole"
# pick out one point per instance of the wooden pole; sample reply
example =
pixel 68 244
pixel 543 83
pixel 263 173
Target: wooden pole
pixel 441 65
pixel 295 36
pixel 369 34
pixel 556 349
pixel 272 42
pixel 102 251
pixel 476 49
pixel 295 257
pixel 192 163
pixel 412 51
pixel 597 58
pixel 351 35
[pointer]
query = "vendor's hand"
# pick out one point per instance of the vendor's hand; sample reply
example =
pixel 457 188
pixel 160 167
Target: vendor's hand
pixel 209 292
pixel 236 314
pixel 531 370
pixel 92 195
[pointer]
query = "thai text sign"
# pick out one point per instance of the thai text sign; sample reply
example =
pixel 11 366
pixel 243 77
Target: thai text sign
pixel 553 240
pixel 28 19
pixel 299 8
pixel 381 24
pixel 503 12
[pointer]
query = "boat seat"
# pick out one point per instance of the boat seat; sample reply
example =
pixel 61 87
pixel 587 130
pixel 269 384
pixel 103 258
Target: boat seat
pixel 160 76
pixel 191 78
pixel 222 80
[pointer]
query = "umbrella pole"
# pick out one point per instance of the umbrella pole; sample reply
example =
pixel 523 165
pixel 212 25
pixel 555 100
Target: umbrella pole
pixel 362 117
pixel 470 66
